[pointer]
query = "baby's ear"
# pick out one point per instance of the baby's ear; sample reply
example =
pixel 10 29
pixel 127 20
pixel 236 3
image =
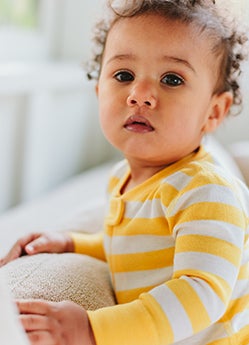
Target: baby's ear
pixel 97 89
pixel 220 106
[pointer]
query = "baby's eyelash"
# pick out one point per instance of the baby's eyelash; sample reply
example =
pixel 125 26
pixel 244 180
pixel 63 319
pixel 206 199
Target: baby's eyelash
pixel 172 80
pixel 169 79
pixel 123 76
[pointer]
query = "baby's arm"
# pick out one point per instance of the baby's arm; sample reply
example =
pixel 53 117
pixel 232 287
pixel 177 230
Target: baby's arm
pixel 56 242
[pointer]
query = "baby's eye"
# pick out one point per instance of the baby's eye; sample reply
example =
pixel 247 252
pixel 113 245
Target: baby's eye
pixel 123 76
pixel 172 80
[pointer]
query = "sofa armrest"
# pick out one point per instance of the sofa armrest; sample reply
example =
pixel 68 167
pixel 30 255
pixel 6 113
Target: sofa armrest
pixel 240 153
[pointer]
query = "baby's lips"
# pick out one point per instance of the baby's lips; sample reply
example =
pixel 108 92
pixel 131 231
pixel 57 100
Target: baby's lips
pixel 138 120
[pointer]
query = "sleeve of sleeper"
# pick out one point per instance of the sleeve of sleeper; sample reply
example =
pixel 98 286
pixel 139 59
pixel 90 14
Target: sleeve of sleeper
pixel 89 244
pixel 209 225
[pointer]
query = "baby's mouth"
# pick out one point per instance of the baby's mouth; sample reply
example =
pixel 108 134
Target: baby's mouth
pixel 138 124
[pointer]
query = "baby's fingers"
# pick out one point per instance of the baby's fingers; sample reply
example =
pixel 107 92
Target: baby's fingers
pixel 41 338
pixel 39 245
pixel 35 306
pixel 31 322
pixel 16 251
pixel 39 323
pixel 13 254
pixel 41 329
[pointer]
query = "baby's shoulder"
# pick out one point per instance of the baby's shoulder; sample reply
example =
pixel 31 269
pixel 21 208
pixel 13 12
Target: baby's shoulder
pixel 204 181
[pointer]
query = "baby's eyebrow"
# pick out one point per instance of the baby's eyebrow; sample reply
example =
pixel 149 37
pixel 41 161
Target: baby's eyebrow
pixel 121 57
pixel 130 57
pixel 180 61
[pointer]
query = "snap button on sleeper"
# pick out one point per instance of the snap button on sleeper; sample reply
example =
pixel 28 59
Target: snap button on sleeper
pixel 116 211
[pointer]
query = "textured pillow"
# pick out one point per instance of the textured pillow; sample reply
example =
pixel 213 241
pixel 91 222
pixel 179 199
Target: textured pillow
pixel 57 277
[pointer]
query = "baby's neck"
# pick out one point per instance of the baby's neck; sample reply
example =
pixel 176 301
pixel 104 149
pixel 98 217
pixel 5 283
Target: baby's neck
pixel 140 174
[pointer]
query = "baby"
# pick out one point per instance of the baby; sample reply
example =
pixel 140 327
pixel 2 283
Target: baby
pixel 176 231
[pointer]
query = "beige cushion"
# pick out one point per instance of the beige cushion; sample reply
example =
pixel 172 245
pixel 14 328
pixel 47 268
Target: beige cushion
pixel 57 277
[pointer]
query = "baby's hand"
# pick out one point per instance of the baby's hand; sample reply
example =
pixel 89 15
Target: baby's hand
pixel 55 323
pixel 35 243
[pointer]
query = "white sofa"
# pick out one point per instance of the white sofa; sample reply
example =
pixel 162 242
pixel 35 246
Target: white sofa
pixel 79 203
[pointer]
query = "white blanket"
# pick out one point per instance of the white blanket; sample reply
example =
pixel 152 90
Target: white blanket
pixel 11 332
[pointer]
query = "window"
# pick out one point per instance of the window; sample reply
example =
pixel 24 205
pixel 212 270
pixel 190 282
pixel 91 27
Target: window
pixel 19 13
pixel 25 29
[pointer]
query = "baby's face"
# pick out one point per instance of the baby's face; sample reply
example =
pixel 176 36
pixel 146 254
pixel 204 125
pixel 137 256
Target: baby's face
pixel 156 89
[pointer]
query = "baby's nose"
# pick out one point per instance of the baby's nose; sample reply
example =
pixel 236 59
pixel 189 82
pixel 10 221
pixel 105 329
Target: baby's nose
pixel 142 95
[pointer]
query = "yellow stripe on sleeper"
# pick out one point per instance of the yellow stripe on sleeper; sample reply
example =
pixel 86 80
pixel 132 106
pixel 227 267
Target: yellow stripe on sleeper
pixel 244 272
pixel 219 285
pixel 164 327
pixel 243 336
pixel 112 183
pixel 211 211
pixel 125 296
pixel 192 304
pixel 237 306
pixel 210 245
pixel 141 261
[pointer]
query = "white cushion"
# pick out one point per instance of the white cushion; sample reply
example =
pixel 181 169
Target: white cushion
pixel 240 153
pixel 222 155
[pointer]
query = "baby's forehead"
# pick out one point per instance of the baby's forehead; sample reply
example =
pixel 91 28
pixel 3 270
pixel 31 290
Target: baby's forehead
pixel 147 25
pixel 200 25
pixel 157 38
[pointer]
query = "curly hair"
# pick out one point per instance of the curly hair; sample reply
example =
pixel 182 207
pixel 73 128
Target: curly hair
pixel 227 38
